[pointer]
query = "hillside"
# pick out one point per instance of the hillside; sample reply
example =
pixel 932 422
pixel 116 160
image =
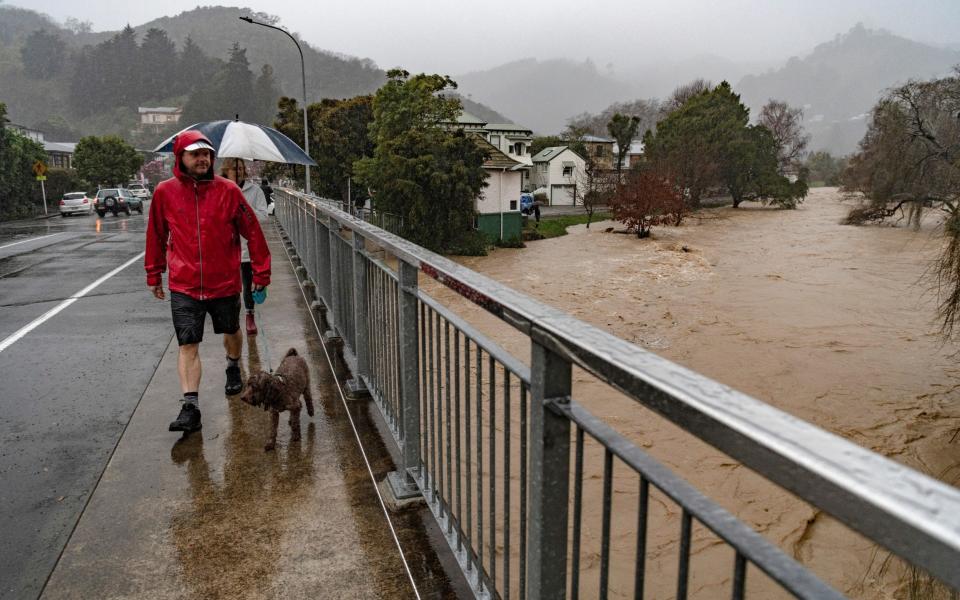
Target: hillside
pixel 543 94
pixel 839 82
pixel 216 28
pixel 33 100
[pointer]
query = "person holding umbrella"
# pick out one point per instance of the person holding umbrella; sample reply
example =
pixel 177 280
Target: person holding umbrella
pixel 197 220
pixel 235 170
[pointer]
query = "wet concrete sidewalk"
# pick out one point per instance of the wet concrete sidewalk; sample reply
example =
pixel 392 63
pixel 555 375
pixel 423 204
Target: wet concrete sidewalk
pixel 211 515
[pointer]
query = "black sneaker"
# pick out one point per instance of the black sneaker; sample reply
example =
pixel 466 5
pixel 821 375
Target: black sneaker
pixel 234 381
pixel 188 420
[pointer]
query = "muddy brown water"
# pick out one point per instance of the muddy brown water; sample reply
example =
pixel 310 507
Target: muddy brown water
pixel 831 323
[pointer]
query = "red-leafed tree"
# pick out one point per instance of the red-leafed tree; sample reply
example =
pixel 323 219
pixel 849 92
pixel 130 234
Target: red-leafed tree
pixel 648 197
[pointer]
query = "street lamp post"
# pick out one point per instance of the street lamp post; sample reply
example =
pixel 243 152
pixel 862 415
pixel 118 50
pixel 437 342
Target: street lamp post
pixel 303 76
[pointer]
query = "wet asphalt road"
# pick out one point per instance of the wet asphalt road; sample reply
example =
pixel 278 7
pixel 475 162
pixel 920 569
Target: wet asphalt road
pixel 68 387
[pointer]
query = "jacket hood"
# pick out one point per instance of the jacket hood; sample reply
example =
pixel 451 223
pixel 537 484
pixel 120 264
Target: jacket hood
pixel 182 141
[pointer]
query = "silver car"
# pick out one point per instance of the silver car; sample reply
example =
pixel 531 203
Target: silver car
pixel 139 190
pixel 76 202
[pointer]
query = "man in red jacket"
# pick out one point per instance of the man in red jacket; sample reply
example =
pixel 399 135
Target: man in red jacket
pixel 196 222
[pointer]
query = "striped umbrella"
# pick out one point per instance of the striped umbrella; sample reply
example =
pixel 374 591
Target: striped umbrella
pixel 236 139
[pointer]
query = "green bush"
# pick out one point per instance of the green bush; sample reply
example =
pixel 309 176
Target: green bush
pixel 474 243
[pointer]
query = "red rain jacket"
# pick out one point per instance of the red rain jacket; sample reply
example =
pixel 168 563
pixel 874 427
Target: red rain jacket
pixel 195 228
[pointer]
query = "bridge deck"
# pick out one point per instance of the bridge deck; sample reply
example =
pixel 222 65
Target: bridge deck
pixel 213 515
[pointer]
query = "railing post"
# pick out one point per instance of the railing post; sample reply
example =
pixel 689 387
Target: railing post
pixel 402 482
pixel 356 388
pixel 335 316
pixel 550 377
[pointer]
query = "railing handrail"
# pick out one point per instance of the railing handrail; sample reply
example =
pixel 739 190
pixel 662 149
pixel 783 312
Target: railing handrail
pixel 912 514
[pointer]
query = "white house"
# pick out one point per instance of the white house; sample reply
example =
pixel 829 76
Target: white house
pixel 498 207
pixel 556 168
pixel 510 139
pixel 158 117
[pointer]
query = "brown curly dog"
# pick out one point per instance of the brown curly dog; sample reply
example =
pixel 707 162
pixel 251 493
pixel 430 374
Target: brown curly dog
pixel 281 391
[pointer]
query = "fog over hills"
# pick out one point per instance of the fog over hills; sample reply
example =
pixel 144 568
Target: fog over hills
pixel 836 83
pixel 840 81
pixel 543 94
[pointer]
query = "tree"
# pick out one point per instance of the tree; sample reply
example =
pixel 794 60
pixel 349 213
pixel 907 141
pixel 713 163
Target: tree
pixel 265 96
pixel 823 167
pixel 429 175
pixel 707 143
pixel 43 54
pixel 194 68
pixel 106 160
pixel 909 159
pixel 157 65
pixel 648 197
pixel 685 92
pixel 17 156
pixel 786 125
pixel 647 111
pixel 594 187
pixel 339 136
pixel 227 94
pixel 623 129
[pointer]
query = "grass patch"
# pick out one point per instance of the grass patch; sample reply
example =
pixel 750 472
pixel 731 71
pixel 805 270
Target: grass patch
pixel 551 227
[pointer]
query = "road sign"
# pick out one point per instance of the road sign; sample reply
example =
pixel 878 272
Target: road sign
pixel 39 169
pixel 41 177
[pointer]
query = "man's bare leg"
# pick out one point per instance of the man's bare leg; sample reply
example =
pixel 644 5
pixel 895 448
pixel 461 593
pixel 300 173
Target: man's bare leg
pixel 188 367
pixel 233 344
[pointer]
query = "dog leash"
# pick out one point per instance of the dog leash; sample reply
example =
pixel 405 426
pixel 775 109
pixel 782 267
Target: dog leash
pixel 262 335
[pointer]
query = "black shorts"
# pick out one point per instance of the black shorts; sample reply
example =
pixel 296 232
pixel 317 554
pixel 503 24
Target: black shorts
pixel 189 315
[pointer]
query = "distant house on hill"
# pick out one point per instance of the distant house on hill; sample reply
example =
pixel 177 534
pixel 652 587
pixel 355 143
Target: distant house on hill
pixel 556 170
pixel 158 117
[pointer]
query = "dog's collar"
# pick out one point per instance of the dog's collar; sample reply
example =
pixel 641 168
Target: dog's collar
pixel 280 378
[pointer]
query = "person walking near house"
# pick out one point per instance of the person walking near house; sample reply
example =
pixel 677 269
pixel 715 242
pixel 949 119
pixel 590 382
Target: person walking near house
pixel 235 170
pixel 196 222
pixel 267 190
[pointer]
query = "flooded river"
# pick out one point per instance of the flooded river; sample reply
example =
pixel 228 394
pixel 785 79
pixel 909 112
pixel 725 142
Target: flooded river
pixel 831 323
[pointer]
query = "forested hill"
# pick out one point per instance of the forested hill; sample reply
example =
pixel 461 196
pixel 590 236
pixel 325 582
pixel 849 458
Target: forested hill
pixel 78 82
pixel 839 82
pixel 214 29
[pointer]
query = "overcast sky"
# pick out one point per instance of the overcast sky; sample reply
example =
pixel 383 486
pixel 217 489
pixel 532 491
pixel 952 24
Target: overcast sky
pixel 454 36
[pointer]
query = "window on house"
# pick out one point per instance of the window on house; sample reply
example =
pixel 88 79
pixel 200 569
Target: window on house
pixel 568 171
pixel 600 150
pixel 495 140
pixel 513 205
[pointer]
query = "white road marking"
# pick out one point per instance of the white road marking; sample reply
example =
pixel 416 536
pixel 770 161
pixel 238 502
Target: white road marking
pixel 9 341
pixel 32 239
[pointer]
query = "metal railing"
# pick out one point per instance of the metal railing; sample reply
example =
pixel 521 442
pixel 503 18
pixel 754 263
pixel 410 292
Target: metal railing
pixel 489 441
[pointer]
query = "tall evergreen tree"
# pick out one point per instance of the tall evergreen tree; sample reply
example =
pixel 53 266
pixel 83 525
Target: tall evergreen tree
pixel 118 61
pixel 194 68
pixel 43 54
pixel 157 65
pixel 227 94
pixel 265 95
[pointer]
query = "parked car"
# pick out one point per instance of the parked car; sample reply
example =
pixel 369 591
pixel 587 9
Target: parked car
pixel 526 203
pixel 75 202
pixel 117 200
pixel 139 190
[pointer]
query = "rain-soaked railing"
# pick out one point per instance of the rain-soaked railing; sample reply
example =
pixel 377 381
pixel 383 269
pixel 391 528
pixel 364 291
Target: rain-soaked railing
pixel 497 448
